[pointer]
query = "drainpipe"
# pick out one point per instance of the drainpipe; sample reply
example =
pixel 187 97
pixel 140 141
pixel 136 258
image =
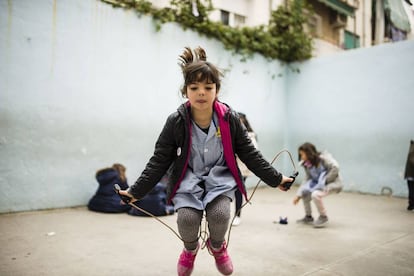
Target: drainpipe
pixel 355 33
pixel 363 23
pixel 270 10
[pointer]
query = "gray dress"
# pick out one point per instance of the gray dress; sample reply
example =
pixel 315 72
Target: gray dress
pixel 207 175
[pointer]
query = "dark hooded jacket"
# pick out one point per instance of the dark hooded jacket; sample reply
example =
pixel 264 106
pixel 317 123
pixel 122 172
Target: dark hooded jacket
pixel 105 199
pixel 172 152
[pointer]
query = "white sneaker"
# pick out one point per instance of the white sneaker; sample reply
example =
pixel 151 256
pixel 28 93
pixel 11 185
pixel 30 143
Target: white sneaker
pixel 236 221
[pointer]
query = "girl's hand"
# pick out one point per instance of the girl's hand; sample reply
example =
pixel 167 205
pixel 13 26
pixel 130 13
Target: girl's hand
pixel 285 179
pixel 296 200
pixel 125 193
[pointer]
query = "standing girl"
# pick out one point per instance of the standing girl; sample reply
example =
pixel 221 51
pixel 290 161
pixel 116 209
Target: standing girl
pixel 197 149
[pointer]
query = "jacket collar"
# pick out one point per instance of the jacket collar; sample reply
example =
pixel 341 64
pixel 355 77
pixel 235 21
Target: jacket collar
pixel 220 108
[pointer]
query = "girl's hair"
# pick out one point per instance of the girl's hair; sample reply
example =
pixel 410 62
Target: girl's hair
pixel 196 68
pixel 311 153
pixel 121 171
pixel 245 122
pixel 119 168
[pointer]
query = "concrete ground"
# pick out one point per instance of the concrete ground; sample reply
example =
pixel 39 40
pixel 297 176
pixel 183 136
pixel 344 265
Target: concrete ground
pixel 367 235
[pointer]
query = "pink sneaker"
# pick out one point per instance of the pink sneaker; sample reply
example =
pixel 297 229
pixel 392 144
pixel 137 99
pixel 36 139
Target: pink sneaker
pixel 223 260
pixel 186 262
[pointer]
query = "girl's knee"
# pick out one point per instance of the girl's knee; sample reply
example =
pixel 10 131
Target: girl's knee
pixel 335 188
pixel 317 195
pixel 218 211
pixel 188 216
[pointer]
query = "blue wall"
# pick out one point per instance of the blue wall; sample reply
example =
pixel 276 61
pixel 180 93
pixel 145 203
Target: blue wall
pixel 359 105
pixel 84 85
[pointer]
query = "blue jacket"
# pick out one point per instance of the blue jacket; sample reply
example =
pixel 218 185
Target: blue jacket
pixel 105 199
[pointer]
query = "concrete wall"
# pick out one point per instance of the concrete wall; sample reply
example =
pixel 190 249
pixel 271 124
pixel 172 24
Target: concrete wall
pixel 359 106
pixel 84 85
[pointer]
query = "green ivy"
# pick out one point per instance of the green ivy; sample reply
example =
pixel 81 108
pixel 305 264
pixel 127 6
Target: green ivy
pixel 284 38
pixel 286 25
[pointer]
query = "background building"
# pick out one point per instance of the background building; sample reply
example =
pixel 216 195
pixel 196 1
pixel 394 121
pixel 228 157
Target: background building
pixel 336 25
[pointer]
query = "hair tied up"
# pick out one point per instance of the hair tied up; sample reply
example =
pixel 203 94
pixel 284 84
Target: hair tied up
pixel 187 57
pixel 201 54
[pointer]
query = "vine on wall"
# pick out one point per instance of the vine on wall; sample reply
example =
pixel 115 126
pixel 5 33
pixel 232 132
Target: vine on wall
pixel 284 38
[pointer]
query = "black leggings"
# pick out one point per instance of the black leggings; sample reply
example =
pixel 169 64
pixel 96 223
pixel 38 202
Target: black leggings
pixel 410 193
pixel 217 216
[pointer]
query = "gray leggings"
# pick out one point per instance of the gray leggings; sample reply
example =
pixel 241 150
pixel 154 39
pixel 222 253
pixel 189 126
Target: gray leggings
pixel 217 216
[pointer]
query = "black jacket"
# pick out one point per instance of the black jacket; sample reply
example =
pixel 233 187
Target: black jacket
pixel 172 152
pixel 409 166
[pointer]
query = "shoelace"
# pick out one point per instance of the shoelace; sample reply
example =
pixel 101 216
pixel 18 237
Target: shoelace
pixel 220 254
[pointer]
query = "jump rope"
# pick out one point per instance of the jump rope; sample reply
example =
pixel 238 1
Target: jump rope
pixel 203 234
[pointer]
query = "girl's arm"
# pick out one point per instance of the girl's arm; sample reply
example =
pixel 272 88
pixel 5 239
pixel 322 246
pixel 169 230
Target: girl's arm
pixel 159 163
pixel 331 166
pixel 252 158
pixel 303 186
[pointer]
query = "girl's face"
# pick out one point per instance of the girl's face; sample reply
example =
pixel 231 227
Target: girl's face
pixel 201 95
pixel 303 155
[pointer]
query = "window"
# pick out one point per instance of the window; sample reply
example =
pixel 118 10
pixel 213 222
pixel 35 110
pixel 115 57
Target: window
pixel 239 20
pixel 351 40
pixel 225 16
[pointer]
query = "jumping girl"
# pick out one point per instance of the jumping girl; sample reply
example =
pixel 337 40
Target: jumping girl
pixel 197 149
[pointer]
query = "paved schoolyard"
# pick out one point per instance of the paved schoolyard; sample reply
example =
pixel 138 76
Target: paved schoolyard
pixel 367 235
